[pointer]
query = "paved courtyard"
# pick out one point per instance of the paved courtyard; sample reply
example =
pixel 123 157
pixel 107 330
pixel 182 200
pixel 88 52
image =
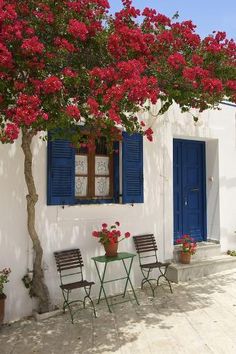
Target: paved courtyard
pixel 200 317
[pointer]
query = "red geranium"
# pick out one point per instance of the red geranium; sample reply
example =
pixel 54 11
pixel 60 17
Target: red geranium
pixel 110 234
pixel 189 245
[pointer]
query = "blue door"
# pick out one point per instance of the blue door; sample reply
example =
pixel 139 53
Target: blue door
pixel 189 189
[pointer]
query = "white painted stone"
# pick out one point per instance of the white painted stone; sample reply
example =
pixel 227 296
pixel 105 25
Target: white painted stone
pixel 178 272
pixel 62 228
pixel 46 315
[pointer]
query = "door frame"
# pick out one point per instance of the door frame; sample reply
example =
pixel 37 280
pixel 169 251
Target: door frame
pixel 204 223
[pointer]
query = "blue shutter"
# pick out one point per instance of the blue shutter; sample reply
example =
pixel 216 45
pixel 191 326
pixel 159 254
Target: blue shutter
pixel 61 173
pixel 116 172
pixel 132 168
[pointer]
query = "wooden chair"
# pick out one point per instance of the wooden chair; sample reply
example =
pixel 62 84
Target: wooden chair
pixel 146 248
pixel 69 265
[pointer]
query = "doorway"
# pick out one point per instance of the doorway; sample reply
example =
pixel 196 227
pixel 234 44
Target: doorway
pixel 189 178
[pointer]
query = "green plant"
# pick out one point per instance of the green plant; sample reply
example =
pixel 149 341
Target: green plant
pixel 231 253
pixel 4 274
pixel 27 280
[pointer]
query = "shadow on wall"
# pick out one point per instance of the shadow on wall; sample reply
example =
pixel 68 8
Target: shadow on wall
pixel 14 239
pixel 71 227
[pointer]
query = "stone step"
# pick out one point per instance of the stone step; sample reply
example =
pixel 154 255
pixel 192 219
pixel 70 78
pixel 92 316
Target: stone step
pixel 204 250
pixel 178 272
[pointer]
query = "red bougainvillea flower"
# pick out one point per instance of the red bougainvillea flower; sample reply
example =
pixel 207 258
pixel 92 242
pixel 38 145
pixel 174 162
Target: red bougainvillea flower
pixel 5 57
pixel 93 106
pixel 11 131
pixel 69 72
pixel 176 60
pixel 212 85
pixel 73 111
pixel 149 134
pixel 106 66
pixel 52 84
pixel 77 29
pixel 32 46
pixel 231 84
pixel 63 43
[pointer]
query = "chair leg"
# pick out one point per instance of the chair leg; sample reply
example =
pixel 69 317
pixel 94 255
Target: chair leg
pixel 147 280
pixel 66 303
pixel 169 283
pixel 163 275
pixel 65 300
pixel 89 297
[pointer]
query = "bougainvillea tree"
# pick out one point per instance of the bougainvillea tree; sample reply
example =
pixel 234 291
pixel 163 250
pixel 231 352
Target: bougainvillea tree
pixel 65 63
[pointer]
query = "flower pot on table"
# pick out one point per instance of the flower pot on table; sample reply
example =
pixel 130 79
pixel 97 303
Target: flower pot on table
pixel 111 249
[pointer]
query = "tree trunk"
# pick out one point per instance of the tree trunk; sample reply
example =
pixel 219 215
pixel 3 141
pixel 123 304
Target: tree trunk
pixel 38 288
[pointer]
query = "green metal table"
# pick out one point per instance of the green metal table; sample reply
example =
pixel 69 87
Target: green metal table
pixel 122 257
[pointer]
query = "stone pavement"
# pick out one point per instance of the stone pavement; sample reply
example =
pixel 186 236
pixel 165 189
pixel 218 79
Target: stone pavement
pixel 200 317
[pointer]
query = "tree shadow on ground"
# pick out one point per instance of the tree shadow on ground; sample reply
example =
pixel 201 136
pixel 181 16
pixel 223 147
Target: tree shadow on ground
pixel 126 325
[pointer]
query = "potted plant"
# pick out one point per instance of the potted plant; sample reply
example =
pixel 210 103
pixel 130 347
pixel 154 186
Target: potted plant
pixel 4 274
pixel 189 247
pixel 109 237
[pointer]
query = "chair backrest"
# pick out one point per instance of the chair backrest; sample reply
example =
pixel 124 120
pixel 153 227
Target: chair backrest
pixel 145 246
pixel 69 263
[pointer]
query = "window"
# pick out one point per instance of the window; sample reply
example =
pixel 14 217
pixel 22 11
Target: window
pixel 94 172
pixel 79 176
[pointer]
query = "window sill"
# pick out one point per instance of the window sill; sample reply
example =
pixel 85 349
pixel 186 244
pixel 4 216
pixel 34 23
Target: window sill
pixel 95 202
pixel 106 204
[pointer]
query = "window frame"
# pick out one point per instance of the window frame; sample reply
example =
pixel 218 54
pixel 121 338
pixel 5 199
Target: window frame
pixel 127 169
pixel 91 198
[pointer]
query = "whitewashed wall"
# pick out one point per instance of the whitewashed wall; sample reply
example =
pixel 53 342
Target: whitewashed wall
pixel 62 228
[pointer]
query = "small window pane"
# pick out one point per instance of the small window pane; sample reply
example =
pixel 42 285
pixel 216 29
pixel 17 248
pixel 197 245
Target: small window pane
pixel 81 165
pixel 101 165
pixel 83 149
pixel 81 186
pixel 101 146
pixel 102 185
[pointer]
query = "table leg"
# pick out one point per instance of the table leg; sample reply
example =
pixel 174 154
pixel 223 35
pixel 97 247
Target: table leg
pixel 101 278
pixel 128 279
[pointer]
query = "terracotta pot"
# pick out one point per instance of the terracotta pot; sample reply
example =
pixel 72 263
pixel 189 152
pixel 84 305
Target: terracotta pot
pixel 2 307
pixel 111 249
pixel 185 257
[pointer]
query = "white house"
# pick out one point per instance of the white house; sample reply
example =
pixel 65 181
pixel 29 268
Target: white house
pixel 189 175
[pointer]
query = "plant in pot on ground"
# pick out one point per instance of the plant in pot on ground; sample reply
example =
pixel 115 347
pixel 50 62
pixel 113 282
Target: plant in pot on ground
pixel 189 247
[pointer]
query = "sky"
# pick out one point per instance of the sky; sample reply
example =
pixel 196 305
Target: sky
pixel 208 15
